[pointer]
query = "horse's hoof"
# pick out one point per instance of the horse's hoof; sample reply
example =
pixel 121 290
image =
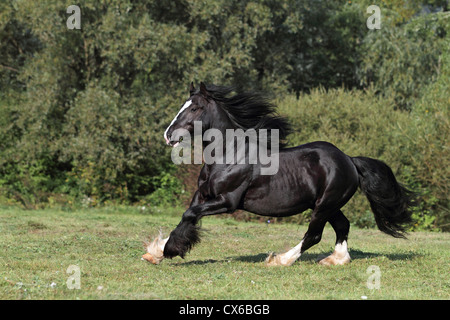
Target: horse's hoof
pixel 150 258
pixel 155 250
pixel 270 260
pixel 278 260
pixel 335 260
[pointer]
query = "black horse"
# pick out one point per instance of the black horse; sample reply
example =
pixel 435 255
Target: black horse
pixel 315 175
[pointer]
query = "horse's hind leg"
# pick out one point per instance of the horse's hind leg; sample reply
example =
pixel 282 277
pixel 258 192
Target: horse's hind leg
pixel 312 237
pixel 341 226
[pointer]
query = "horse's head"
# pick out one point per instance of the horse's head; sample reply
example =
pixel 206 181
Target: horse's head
pixel 197 108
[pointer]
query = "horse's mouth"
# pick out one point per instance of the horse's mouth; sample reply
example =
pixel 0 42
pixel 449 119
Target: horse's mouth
pixel 174 143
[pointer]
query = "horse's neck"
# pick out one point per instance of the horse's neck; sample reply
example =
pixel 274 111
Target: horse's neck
pixel 221 121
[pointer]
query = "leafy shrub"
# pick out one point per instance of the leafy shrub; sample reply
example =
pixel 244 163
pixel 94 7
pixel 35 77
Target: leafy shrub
pixel 82 112
pixel 426 152
pixel 365 124
pixel 169 190
pixel 399 61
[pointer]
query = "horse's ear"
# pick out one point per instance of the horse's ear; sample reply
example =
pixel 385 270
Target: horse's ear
pixel 203 89
pixel 191 88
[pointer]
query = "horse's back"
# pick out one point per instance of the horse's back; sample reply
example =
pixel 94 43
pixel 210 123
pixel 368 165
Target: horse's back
pixel 339 174
pixel 305 173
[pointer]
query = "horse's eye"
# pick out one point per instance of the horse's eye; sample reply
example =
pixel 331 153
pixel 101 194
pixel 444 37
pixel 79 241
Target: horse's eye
pixel 193 109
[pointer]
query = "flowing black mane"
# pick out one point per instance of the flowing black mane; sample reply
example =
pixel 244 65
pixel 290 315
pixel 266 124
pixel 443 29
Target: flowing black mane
pixel 250 110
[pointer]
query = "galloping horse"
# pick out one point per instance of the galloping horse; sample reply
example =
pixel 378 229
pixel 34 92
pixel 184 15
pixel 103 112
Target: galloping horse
pixel 315 175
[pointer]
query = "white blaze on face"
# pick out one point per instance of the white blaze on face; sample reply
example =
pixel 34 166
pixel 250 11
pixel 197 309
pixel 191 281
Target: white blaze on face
pixel 186 105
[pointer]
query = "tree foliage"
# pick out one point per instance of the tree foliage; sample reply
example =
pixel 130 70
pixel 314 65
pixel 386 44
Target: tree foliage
pixel 82 111
pixel 400 61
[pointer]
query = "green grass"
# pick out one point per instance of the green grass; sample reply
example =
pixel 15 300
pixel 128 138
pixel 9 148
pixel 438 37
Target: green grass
pixel 37 247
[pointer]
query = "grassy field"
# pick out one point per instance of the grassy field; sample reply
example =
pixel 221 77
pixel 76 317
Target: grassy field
pixel 37 248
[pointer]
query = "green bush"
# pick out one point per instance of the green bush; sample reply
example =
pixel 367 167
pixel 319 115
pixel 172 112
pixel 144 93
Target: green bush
pixel 365 124
pixel 168 191
pixel 82 112
pixel 88 107
pixel 426 153
pixel 401 60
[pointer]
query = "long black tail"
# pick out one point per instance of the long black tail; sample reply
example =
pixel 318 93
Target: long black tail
pixel 390 202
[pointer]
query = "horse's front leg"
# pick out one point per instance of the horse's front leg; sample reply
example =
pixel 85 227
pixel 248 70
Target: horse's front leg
pixel 186 234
